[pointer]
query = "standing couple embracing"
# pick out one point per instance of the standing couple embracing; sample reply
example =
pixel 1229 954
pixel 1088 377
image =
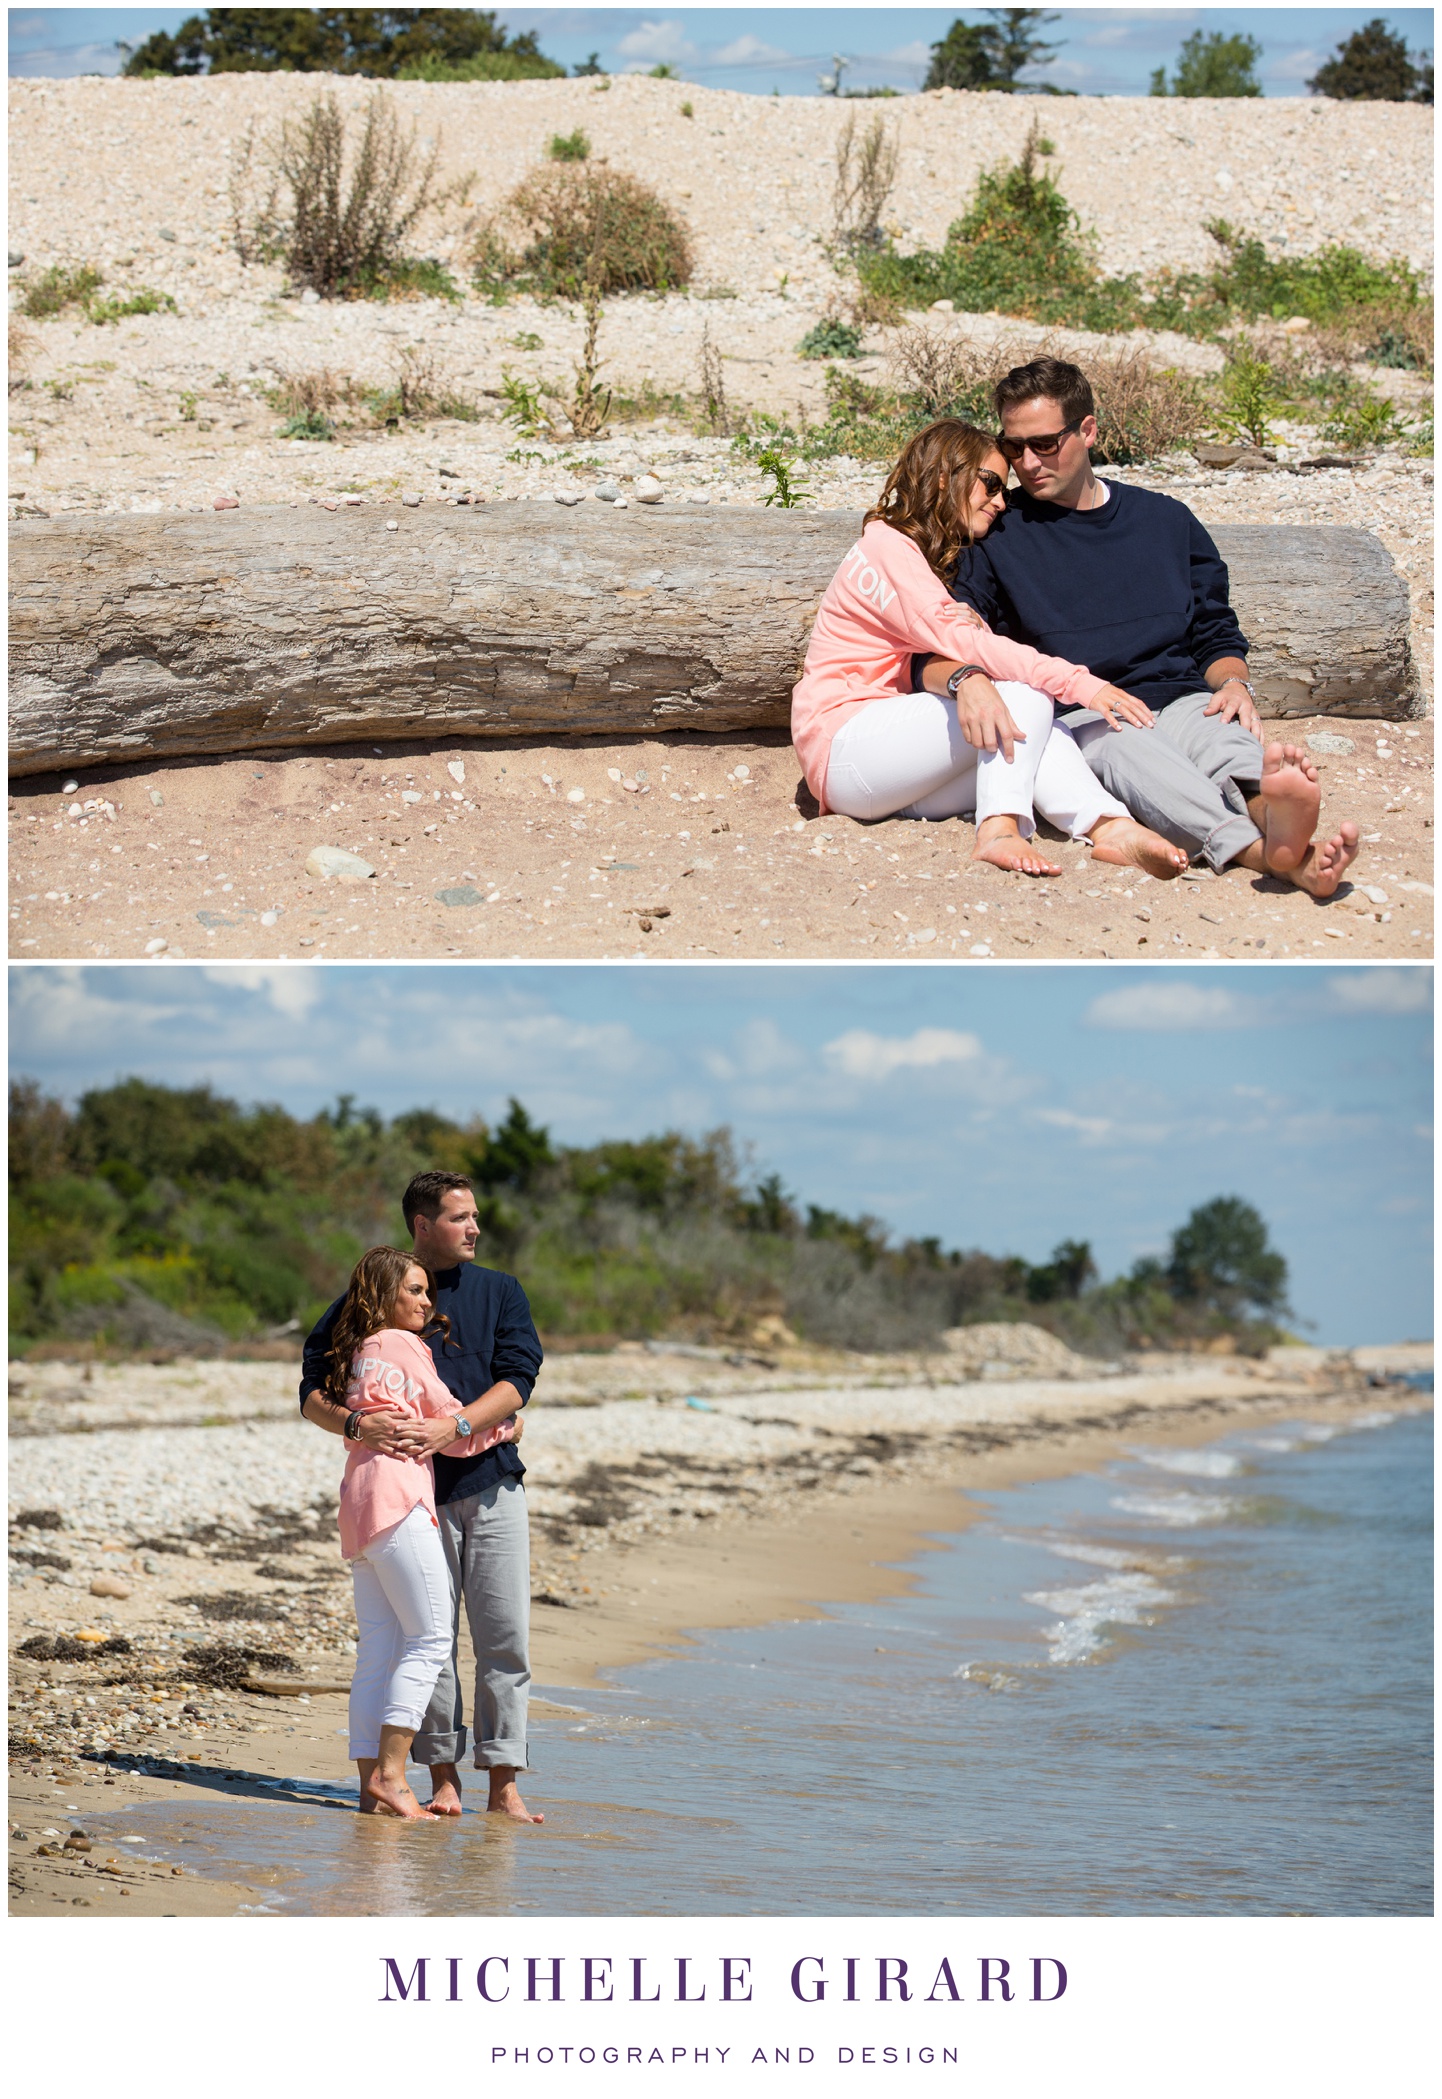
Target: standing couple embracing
pixel 423 1368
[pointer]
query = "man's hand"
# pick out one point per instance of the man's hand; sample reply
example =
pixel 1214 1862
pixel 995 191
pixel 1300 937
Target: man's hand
pixel 1234 704
pixel 982 715
pixel 1116 707
pixel 381 1429
pixel 417 1438
pixel 969 614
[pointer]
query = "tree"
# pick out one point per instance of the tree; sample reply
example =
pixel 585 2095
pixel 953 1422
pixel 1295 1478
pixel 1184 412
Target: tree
pixel 1374 65
pixel 591 70
pixel 515 1154
pixel 1212 68
pixel 376 42
pixel 978 55
pixel 1221 1260
pixel 1065 1276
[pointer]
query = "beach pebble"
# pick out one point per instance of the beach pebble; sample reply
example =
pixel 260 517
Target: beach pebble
pixel 109 1585
pixel 329 861
pixel 576 794
pixel 310 296
pixel 1375 896
pixel 156 947
pixel 392 524
pixel 71 787
pixel 1329 746
pixel 606 492
pixel 16 258
pixel 457 769
pixel 570 497
pixel 649 489
pixel 225 503
pixel 411 500
pixel 698 495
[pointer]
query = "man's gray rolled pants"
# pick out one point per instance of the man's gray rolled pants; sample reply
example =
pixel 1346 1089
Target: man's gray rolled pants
pixel 1189 777
pixel 487 1544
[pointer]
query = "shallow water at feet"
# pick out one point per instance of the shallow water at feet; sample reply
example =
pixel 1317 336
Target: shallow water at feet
pixel 1195 1683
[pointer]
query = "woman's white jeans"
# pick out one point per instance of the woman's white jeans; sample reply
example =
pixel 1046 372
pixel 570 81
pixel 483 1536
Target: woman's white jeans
pixel 905 755
pixel 404 1624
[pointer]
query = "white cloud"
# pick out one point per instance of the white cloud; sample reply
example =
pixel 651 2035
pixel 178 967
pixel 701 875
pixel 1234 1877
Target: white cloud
pixel 1172 1008
pixel 660 42
pixel 1382 991
pixel 862 1055
pixel 1293 65
pixel 1094 1129
pixel 749 51
pixel 913 54
pixel 292 990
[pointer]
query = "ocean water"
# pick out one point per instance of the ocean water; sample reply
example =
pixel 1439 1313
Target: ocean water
pixel 1197 1682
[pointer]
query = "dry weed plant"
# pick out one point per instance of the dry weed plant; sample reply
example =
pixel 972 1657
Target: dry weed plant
pixel 865 175
pixel 590 405
pixel 336 210
pixel 24 342
pixel 713 385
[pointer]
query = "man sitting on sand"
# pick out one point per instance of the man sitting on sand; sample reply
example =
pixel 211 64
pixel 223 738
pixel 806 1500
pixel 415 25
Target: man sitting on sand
pixel 489 1359
pixel 1128 582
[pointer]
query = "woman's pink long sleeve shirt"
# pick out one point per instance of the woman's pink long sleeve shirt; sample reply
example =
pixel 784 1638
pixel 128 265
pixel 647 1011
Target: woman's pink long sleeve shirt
pixel 884 605
pixel 394 1369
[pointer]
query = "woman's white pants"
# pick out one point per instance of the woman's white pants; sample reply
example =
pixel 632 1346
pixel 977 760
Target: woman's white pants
pixel 905 755
pixel 404 1621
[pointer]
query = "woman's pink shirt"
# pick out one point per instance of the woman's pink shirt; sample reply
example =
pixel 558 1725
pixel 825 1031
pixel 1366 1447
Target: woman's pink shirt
pixel 886 604
pixel 394 1369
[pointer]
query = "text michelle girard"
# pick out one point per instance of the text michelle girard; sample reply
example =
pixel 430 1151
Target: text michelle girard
pixel 598 1979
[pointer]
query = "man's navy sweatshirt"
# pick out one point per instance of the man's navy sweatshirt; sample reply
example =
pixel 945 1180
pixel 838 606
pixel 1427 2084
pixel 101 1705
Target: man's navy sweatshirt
pixel 492 1337
pixel 1136 590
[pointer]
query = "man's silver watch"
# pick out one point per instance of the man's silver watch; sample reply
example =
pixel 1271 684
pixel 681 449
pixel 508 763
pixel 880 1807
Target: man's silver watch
pixel 463 1427
pixel 962 672
pixel 1246 683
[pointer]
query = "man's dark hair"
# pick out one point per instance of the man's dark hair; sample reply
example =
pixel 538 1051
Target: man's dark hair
pixel 1049 379
pixel 426 1193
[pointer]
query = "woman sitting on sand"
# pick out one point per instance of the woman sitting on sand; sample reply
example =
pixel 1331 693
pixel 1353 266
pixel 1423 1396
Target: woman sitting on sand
pixel 980 735
pixel 388 1530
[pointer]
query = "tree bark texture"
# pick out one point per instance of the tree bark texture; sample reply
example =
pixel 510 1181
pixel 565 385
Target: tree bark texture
pixel 136 638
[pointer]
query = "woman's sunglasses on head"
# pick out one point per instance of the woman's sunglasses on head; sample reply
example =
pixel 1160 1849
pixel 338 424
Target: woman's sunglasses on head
pixel 1012 447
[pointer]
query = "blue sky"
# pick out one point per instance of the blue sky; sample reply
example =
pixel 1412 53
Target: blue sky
pixel 1110 51
pixel 1001 1108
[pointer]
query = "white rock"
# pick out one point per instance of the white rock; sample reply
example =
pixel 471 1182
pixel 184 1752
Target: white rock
pixel 410 795
pixel 71 787
pixel 269 918
pixel 331 861
pixel 576 794
pixel 943 306
pixel 1375 896
pixel 392 524
pixel 649 489
pixel 457 770
pixel 411 500
pixel 607 492
pixel 569 496
pixel 310 297
pixel 156 947
pixel 698 495
pixel 743 772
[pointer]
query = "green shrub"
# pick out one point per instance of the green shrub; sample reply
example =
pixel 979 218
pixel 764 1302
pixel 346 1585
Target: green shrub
pixel 486 65
pixel 312 425
pixel 62 285
pixel 1363 419
pixel 583 223
pixel 831 338
pixel 106 311
pixel 570 145
pixel 408 278
pixel 1250 396
pixel 1420 440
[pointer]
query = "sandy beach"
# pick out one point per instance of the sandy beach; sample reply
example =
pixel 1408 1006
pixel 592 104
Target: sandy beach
pixel 706 853
pixel 669 1494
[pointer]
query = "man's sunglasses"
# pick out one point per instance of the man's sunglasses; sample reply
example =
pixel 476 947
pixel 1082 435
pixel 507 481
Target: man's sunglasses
pixel 1012 447
pixel 992 483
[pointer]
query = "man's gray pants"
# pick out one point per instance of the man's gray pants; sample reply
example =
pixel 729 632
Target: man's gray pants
pixel 487 1544
pixel 1189 777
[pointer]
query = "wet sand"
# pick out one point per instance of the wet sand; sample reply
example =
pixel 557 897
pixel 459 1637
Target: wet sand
pixel 626 1593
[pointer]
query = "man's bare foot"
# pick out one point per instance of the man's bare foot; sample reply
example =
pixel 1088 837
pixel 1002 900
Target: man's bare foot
pixel 1000 843
pixel 1326 862
pixel 1293 800
pixel 506 1799
pixel 445 1790
pixel 1122 842
pixel 390 1797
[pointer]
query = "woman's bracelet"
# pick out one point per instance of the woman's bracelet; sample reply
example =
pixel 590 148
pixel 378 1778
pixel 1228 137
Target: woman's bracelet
pixel 350 1426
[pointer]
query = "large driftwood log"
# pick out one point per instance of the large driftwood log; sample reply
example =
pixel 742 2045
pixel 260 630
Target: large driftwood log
pixel 156 637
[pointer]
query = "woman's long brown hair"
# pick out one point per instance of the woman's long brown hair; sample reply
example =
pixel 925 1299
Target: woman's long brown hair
pixel 368 1306
pixel 914 501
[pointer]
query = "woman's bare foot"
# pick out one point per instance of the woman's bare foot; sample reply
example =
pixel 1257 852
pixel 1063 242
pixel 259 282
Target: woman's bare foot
pixel 1122 842
pixel 389 1796
pixel 1325 863
pixel 506 1799
pixel 1000 843
pixel 1293 801
pixel 445 1790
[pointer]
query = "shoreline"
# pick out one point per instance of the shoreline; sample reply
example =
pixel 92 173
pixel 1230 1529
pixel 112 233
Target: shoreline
pixel 650 1595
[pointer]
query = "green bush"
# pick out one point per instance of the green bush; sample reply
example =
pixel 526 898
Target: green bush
pixel 104 311
pixel 60 286
pixel 1364 419
pixel 580 224
pixel 831 338
pixel 570 145
pixel 487 65
pixel 311 424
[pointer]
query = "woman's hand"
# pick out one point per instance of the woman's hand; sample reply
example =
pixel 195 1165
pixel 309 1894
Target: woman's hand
pixel 1116 707
pixel 982 716
pixel 423 1437
pixel 380 1428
